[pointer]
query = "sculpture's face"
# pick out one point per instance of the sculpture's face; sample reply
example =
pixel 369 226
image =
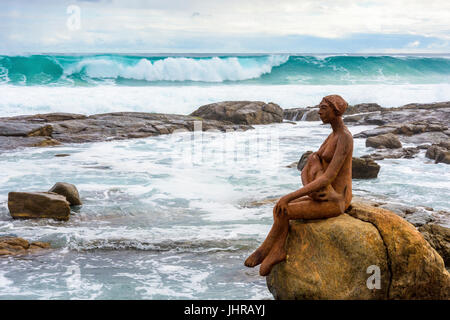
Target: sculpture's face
pixel 326 112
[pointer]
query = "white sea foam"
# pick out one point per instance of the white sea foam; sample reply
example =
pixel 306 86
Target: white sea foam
pixel 16 100
pixel 213 69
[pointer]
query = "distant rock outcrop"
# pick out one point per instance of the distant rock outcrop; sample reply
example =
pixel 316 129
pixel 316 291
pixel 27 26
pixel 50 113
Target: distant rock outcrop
pixel 41 130
pixel 241 112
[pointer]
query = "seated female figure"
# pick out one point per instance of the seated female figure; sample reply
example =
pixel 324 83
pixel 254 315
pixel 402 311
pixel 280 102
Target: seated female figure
pixel 326 191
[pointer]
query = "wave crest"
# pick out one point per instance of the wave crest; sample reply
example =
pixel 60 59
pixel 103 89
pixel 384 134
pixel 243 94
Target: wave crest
pixel 213 69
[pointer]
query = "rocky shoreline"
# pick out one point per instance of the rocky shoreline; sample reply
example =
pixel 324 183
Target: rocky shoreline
pixel 425 126
pixel 42 130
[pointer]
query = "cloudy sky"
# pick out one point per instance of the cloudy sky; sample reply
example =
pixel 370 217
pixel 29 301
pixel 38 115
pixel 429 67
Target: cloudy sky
pixel 240 26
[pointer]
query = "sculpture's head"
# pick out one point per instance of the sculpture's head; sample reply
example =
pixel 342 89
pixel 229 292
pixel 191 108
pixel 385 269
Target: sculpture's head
pixel 331 107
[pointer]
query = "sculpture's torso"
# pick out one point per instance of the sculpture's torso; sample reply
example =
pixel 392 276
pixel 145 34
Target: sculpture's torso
pixel 343 180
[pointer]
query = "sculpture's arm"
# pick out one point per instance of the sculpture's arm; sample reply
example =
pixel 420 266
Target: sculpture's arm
pixel 343 147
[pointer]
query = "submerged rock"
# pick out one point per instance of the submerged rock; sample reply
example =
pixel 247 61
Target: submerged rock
pixel 32 205
pixel 241 112
pixel 11 246
pixel 337 258
pixel 69 191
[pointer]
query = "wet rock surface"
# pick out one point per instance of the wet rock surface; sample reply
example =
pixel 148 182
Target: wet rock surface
pixel 34 205
pixel 12 246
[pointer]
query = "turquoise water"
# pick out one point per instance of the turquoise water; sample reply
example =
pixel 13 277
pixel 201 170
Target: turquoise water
pixel 135 70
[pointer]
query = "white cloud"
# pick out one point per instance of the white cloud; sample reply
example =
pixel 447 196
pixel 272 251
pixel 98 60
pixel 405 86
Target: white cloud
pixel 135 21
pixel 413 44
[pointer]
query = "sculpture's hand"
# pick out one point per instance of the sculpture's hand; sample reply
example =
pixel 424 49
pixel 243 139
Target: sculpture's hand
pixel 281 207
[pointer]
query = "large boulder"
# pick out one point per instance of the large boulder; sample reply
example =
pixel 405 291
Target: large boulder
pixel 11 246
pixel 364 168
pixel 32 205
pixel 241 112
pixel 387 140
pixel 69 191
pixel 341 258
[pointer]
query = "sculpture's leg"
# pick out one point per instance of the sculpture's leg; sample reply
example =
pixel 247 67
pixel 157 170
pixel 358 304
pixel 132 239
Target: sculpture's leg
pixel 258 256
pixel 308 209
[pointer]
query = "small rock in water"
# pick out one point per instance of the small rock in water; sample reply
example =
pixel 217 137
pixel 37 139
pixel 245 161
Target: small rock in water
pixel 331 259
pixel 364 168
pixel 69 191
pixel 32 205
pixel 387 140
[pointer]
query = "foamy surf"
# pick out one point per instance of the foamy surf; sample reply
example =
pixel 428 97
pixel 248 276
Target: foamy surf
pixel 17 100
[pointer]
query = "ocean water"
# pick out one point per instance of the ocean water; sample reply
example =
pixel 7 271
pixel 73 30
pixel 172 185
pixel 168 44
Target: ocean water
pixel 99 83
pixel 172 217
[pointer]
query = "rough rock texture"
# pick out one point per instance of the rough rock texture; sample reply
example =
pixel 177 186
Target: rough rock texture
pixel 241 112
pixel 31 205
pixel 11 246
pixel 439 238
pixel 328 259
pixel 69 191
pixel 364 168
pixel 56 128
pixel 387 140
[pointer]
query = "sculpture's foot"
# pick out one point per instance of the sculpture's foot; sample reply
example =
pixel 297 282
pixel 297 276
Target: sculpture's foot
pixel 275 256
pixel 255 258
